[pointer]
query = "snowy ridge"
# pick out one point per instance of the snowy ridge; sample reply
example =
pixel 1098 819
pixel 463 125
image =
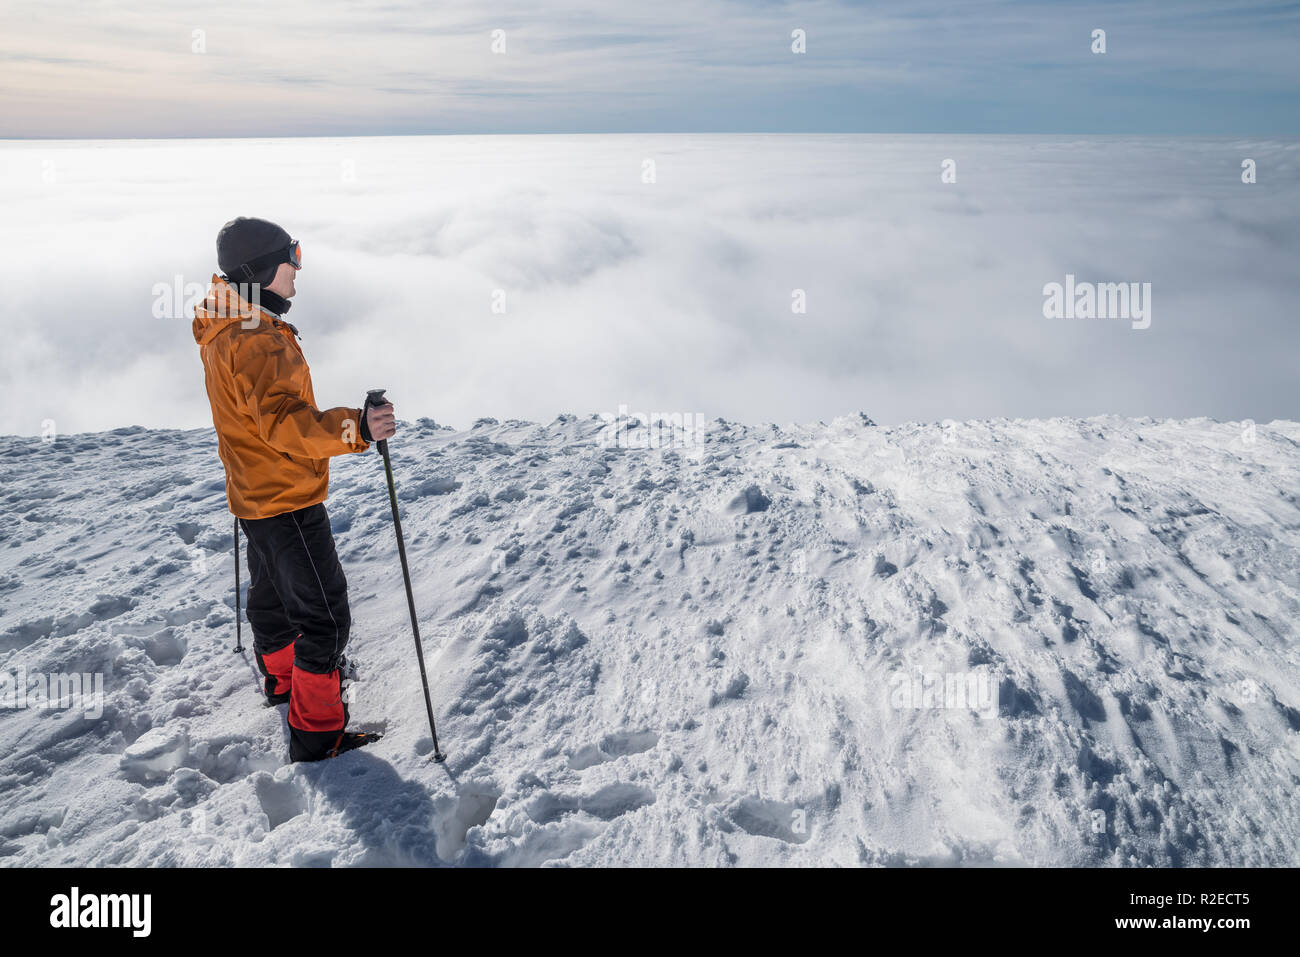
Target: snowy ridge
pixel 683 656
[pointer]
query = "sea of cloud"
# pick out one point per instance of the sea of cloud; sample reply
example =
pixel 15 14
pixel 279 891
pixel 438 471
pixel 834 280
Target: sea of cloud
pixel 924 299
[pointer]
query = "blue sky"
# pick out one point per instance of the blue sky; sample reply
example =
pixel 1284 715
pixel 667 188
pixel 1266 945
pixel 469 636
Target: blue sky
pixel 305 67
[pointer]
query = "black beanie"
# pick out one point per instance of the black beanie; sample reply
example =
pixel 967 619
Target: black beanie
pixel 242 240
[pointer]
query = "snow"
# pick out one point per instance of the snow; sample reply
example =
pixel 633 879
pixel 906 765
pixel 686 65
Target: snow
pixel 683 656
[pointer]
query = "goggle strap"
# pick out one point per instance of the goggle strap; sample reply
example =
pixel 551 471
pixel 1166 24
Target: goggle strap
pixel 258 263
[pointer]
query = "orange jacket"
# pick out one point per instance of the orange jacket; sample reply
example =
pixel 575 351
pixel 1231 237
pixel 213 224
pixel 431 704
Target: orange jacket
pixel 274 442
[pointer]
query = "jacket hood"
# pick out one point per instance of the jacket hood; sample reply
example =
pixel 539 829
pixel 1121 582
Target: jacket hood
pixel 222 307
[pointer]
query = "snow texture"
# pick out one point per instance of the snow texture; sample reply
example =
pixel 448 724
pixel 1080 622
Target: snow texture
pixel 682 656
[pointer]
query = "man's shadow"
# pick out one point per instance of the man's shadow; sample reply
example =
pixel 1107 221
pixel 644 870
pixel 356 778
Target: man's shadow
pixel 394 818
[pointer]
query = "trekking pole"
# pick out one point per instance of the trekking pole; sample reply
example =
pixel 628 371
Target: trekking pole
pixel 375 397
pixel 239 634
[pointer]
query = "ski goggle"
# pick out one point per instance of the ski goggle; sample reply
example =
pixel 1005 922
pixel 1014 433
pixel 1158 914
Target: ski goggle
pixel 291 254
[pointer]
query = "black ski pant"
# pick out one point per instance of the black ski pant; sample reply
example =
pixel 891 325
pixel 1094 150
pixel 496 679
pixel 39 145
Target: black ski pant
pixel 298 596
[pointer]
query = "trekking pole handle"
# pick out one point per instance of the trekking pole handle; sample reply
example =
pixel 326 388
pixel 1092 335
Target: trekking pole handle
pixel 375 398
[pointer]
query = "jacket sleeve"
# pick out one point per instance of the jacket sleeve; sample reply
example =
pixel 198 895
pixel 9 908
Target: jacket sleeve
pixel 274 380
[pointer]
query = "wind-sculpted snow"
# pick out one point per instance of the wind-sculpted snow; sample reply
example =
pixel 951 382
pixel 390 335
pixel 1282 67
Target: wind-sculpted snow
pixel 1015 642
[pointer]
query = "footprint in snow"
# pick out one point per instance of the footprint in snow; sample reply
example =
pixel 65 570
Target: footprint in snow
pixel 456 816
pixel 612 746
pixel 761 818
pixel 611 801
pixel 281 800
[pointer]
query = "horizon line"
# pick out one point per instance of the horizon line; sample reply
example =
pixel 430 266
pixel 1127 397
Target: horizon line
pixel 332 136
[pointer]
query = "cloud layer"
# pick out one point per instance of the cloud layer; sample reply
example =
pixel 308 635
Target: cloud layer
pixel 924 299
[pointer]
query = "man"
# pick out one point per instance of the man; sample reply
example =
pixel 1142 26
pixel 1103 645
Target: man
pixel 275 446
